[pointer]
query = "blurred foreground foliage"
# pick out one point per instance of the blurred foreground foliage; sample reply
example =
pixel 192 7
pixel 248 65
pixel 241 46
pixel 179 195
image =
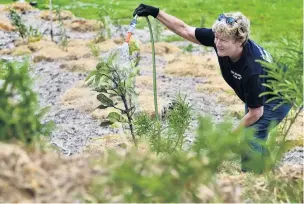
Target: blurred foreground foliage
pixel 20 115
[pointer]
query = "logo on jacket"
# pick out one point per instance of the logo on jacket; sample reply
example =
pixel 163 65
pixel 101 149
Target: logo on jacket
pixel 236 75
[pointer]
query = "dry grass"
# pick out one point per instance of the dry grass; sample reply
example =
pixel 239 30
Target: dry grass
pixel 82 25
pixel 81 98
pixel 144 81
pixel 49 51
pixel 6 25
pixel 40 176
pixel 107 45
pixel 161 48
pixel 81 65
pixel 64 15
pixel 20 6
pixel 190 65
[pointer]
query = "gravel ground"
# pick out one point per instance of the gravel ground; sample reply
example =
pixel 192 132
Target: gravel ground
pixel 75 128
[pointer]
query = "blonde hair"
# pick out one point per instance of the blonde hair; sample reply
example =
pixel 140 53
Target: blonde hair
pixel 239 30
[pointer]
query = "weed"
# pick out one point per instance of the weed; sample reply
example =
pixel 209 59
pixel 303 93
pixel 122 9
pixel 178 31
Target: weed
pixel 63 39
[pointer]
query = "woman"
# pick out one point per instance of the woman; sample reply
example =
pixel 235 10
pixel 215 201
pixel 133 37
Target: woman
pixel 237 56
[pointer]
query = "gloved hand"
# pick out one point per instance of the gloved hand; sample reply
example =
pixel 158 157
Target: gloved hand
pixel 146 10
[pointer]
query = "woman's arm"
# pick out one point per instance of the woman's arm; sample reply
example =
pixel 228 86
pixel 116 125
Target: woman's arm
pixel 178 26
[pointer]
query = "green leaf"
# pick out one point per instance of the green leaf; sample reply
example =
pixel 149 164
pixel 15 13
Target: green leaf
pixel 105 100
pixel 101 89
pixel 105 123
pixel 116 117
pixel 102 107
pixel 266 93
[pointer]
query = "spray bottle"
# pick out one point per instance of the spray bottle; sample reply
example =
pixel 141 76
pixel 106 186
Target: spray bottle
pixel 131 28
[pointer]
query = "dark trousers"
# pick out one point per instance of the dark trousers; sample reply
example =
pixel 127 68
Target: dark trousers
pixel 254 158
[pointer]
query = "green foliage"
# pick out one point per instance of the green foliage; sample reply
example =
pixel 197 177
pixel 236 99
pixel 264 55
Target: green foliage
pixel 32 34
pixel 20 114
pixel 165 136
pixel 172 38
pixel 286 85
pixel 187 176
pixel 217 143
pixel 267 17
pixel 203 21
pixel 63 39
pixel 106 21
pixel 285 81
pixel 114 82
pixel 94 49
pixel 17 21
pixel 144 177
pixel 188 48
pixel 134 52
pixel 157 28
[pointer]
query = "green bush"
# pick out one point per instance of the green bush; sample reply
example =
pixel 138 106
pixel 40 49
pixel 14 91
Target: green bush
pixel 115 84
pixel 168 135
pixel 20 114
pixel 285 81
pixel 141 175
pixel 30 33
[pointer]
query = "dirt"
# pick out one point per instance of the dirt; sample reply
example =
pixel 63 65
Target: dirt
pixel 59 77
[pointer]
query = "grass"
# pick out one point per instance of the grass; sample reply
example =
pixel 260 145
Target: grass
pixel 270 20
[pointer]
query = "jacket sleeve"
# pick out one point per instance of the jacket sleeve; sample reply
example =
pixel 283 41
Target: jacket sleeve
pixel 253 88
pixel 205 36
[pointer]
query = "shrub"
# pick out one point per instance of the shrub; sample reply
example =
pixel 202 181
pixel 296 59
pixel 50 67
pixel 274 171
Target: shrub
pixel 20 114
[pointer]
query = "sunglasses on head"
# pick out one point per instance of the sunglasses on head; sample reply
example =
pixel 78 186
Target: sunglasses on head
pixel 229 20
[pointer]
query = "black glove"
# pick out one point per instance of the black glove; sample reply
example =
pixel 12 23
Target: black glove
pixel 145 10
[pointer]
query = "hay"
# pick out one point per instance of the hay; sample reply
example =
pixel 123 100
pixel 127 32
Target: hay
pixel 41 177
pixel 51 54
pixel 297 130
pixel 107 45
pixel 20 6
pixel 101 114
pixel 50 51
pixel 6 25
pixel 22 50
pixel 64 15
pixel 82 25
pixel 146 102
pixel 6 51
pixel 188 65
pixel 36 46
pixel 144 81
pixel 81 65
pixel 81 98
pixel 161 48
pixel 227 99
pixel 213 87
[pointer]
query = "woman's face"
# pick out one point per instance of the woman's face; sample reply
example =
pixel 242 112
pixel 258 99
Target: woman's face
pixel 226 45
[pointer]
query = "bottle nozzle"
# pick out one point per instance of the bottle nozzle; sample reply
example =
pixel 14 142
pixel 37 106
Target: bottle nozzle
pixel 131 28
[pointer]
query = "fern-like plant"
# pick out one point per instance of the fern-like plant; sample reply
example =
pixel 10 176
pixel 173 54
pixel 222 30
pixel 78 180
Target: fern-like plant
pixel 285 81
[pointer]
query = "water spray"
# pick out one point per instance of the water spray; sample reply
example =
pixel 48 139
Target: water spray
pixel 128 37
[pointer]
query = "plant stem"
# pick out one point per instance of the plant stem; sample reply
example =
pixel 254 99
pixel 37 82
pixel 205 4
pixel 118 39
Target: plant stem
pixel 154 69
pixel 123 97
pixel 285 134
pixel 51 20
